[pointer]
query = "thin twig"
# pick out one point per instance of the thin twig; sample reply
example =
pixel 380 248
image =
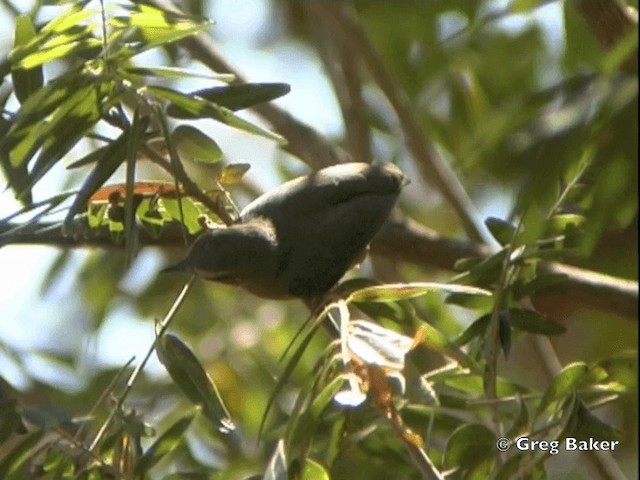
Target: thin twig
pixel 162 328
pixel 342 65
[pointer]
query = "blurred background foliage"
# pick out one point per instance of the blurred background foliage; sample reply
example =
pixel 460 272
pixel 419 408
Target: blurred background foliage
pixel 533 105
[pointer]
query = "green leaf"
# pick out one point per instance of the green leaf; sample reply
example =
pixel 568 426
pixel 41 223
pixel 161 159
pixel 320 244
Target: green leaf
pixel 188 374
pixel 16 176
pixel 69 123
pixel 25 81
pixel 235 97
pixel 293 361
pixel 13 460
pixel 485 272
pixel 585 426
pixel 468 445
pixel 559 223
pixel 166 443
pixel 477 329
pixel 473 302
pixel 403 291
pixel 138 128
pixel 533 322
pixel 155 27
pixel 232 174
pixel 540 282
pixel 112 157
pixel 564 384
pixel 622 368
pixel 88 46
pixel 191 212
pixel 42 103
pixel 194 145
pixel 177 73
pixel 502 231
pixel 200 108
pixel 68 19
pixel 314 471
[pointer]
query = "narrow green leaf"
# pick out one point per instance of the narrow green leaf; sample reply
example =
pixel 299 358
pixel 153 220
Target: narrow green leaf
pixel 91 157
pixel 566 382
pixel 188 374
pixel 485 272
pixel 403 291
pixel 157 27
pixel 314 471
pixel 235 97
pixel 13 460
pixel 502 231
pixel 232 174
pixel 194 145
pixel 138 128
pixel 17 176
pixel 533 322
pixel 42 103
pixel 112 158
pixel 468 445
pixel 178 73
pixel 67 126
pixel 504 332
pixel 559 223
pixel 88 46
pixel 477 329
pixel 74 15
pixel 200 108
pixel 190 210
pixel 622 368
pixel 289 368
pixel 473 302
pixel 166 443
pixel 539 282
pixel 586 427
pixel 25 82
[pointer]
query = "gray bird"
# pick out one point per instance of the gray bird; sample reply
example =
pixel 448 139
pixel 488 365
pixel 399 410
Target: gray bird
pixel 299 239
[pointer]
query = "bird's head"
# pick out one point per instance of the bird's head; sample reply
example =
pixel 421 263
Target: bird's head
pixel 233 255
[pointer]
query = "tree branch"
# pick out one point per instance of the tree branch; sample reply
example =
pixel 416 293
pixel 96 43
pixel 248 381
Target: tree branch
pixel 432 166
pixel 400 240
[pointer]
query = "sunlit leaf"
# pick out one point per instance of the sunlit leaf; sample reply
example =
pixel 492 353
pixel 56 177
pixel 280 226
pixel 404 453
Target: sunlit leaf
pixel 25 82
pixel 232 174
pixel 177 73
pixel 314 471
pixel 113 156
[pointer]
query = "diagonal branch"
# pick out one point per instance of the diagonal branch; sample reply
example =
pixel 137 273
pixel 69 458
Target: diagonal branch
pixel 431 164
